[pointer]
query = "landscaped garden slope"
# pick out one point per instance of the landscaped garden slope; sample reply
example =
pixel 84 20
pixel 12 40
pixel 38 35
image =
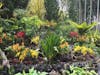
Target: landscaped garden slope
pixel 35 42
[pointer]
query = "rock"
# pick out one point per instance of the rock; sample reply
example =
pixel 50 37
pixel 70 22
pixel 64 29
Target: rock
pixel 5 60
pixel 53 72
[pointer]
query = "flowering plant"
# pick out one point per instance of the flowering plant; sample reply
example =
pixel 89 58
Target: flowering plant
pixel 64 47
pixel 73 34
pixel 22 52
pixel 35 40
pixel 20 34
pixel 83 50
pixel 73 37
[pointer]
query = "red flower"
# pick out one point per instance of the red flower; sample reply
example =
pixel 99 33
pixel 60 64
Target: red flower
pixel 20 34
pixel 73 34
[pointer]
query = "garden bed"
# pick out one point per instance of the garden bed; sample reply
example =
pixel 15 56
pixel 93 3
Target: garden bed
pixel 55 47
pixel 53 68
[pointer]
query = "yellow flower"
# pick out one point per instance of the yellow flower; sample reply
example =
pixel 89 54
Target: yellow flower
pixel 25 51
pixel 84 50
pixel 64 45
pixel 35 40
pixel 23 54
pixel 15 47
pixel 82 38
pixel 34 53
pixel 90 51
pixel 77 48
pixel 21 58
pixel 18 53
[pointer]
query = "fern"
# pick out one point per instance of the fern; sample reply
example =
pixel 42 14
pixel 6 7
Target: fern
pixel 84 27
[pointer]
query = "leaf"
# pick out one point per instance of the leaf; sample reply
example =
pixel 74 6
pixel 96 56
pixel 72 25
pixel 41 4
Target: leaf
pixel 72 23
pixel 83 27
pixel 35 73
pixel 24 72
pixel 18 74
pixel 93 72
pixel 48 45
pixel 43 73
pixel 1 29
pixel 1 4
pixel 92 25
pixel 31 70
pixel 68 73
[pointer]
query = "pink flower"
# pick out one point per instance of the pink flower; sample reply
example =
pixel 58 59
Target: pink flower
pixel 21 34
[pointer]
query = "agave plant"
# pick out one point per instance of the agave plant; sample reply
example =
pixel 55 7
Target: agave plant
pixel 83 27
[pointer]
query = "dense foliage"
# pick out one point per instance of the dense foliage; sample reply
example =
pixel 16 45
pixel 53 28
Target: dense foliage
pixel 37 34
pixel 9 6
pixel 51 5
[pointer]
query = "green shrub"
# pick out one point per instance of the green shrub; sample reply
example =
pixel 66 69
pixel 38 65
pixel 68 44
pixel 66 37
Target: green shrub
pixel 80 71
pixel 50 45
pixel 19 13
pixel 83 27
pixel 9 6
pixel 10 25
pixel 32 24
